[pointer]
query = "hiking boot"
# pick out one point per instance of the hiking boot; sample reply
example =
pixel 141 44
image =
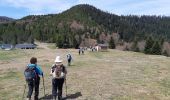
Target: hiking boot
pixel 35 98
pixel 54 97
pixel 59 97
pixel 28 99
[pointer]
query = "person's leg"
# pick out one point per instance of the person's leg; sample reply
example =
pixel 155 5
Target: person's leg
pixel 37 83
pixel 54 89
pixel 60 87
pixel 69 61
pixel 30 88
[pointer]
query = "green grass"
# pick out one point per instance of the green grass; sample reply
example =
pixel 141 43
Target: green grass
pixel 164 86
pixel 12 54
pixel 112 75
pixel 11 82
pixel 52 46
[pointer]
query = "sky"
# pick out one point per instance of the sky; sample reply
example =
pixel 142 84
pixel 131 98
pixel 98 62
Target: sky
pixel 21 8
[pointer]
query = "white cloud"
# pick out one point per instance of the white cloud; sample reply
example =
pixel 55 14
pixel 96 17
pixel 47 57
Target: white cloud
pixel 39 6
pixel 125 7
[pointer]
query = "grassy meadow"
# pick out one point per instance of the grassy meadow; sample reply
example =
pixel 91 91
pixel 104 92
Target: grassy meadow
pixel 112 75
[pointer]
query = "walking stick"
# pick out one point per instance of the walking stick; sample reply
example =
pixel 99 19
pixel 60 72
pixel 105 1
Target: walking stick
pixel 24 92
pixel 66 86
pixel 43 84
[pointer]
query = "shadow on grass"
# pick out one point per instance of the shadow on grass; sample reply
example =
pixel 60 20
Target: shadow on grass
pixel 71 65
pixel 69 96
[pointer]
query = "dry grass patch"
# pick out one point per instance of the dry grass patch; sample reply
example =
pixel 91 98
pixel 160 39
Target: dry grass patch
pixel 112 75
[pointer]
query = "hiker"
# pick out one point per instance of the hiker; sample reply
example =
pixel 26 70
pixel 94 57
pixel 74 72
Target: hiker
pixel 32 73
pixel 58 72
pixel 69 58
pixel 82 51
pixel 79 51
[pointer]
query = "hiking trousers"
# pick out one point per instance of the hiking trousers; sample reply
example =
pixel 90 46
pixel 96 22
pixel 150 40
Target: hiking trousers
pixel 57 84
pixel 33 84
pixel 69 62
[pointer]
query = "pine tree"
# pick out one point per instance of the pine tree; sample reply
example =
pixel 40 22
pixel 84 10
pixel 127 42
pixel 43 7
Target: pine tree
pixel 156 49
pixel 148 45
pixel 59 42
pixel 75 43
pixel 14 40
pixel 112 43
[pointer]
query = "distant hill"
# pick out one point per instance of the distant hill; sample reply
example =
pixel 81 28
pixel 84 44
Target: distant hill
pixel 5 19
pixel 82 22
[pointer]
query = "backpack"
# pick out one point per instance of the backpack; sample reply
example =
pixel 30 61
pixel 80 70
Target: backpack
pixel 69 56
pixel 58 72
pixel 30 73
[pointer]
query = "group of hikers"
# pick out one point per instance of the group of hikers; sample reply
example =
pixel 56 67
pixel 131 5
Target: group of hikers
pixel 81 50
pixel 58 71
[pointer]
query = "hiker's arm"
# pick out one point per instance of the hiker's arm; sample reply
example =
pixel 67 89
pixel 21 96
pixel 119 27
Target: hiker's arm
pixel 51 72
pixel 39 70
pixel 65 70
pixel 52 69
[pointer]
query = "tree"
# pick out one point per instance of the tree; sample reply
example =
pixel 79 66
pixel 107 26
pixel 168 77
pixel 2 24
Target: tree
pixel 59 42
pixel 148 45
pixel 156 49
pixel 75 43
pixel 66 43
pixel 135 46
pixel 14 40
pixel 112 43
pixel 165 53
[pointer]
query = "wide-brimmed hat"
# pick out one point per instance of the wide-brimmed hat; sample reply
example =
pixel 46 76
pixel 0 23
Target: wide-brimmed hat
pixel 58 59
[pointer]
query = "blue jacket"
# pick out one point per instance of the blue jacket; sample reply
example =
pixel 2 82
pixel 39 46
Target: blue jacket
pixel 38 69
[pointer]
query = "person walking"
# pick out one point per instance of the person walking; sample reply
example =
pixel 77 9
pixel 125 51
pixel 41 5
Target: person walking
pixel 82 50
pixel 79 50
pixel 58 72
pixel 69 58
pixel 32 74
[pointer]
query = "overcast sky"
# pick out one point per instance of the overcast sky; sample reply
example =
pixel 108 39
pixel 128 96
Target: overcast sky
pixel 20 8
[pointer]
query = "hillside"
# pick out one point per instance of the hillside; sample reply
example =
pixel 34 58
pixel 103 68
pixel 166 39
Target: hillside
pixel 74 25
pixel 4 19
pixel 112 75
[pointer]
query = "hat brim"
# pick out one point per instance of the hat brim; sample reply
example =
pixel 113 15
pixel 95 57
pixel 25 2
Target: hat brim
pixel 58 61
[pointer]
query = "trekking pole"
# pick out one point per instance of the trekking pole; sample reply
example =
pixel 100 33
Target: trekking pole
pixel 43 83
pixel 24 92
pixel 66 86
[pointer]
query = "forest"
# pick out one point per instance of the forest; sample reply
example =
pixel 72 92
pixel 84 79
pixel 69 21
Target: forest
pixel 71 27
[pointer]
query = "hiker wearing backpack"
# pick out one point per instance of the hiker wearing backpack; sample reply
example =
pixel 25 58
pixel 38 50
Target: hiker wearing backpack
pixel 32 73
pixel 58 72
pixel 69 58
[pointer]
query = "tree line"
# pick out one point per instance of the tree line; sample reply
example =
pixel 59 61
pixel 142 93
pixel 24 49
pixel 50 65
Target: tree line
pixel 70 27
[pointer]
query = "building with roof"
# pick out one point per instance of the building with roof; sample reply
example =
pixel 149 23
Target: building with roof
pixel 102 47
pixel 25 46
pixel 7 46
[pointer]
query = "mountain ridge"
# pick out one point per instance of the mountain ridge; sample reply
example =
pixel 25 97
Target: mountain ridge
pixel 84 21
pixel 4 19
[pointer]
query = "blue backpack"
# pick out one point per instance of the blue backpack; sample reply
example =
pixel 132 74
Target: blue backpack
pixel 30 73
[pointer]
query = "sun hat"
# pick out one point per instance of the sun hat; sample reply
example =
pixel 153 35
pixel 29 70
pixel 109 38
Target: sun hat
pixel 58 59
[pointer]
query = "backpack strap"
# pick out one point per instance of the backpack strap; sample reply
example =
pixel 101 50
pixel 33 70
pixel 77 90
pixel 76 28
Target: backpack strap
pixel 54 66
pixel 63 68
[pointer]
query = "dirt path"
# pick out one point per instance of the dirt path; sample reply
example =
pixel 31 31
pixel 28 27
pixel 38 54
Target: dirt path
pixel 42 45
